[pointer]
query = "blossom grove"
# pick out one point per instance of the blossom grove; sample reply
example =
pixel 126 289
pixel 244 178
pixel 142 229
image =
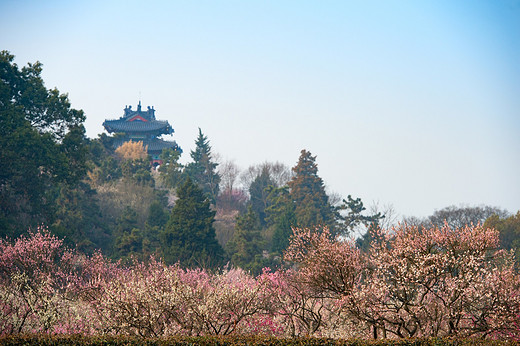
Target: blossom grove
pixel 412 282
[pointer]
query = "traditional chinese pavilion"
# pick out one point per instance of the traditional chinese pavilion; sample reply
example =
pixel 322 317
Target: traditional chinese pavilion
pixel 142 126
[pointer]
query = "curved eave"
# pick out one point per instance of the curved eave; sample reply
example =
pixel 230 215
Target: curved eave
pixel 158 145
pixel 158 127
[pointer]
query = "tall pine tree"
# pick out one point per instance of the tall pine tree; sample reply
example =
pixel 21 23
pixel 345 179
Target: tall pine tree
pixel 280 216
pixel 307 192
pixel 258 190
pixel 203 170
pixel 189 237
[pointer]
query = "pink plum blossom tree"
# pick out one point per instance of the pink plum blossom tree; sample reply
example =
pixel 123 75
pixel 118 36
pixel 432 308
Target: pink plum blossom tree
pixel 416 281
pixel 413 282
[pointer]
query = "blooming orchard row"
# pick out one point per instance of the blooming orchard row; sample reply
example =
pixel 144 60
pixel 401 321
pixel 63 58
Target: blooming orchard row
pixel 413 282
pixel 416 282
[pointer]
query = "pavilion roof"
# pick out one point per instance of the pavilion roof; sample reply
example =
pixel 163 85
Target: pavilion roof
pixel 126 125
pixel 138 121
pixel 157 144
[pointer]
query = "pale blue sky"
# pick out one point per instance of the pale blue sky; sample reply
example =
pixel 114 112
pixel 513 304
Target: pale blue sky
pixel 413 103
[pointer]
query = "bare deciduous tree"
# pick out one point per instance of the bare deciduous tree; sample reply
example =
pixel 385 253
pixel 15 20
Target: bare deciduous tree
pixel 279 173
pixel 460 216
pixel 229 173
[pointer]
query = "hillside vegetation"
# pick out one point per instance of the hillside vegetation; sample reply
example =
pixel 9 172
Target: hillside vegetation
pixel 95 241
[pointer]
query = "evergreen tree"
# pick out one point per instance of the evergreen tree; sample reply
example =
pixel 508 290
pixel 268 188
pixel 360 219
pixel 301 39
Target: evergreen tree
pixel 281 217
pixel 353 218
pixel 128 238
pixel 157 215
pixel 258 194
pixel 203 170
pixel 189 237
pixel 307 192
pixel 77 219
pixel 171 168
pixel 246 246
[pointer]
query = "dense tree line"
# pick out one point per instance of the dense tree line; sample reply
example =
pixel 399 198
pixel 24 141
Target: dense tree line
pixel 203 213
pixel 97 196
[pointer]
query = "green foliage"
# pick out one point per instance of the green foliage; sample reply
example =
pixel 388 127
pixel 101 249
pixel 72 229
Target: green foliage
pixel 127 237
pixel 77 219
pixel 189 237
pixel 509 229
pixel 132 242
pixel 103 165
pixel 157 218
pixel 258 190
pixel 303 203
pixel 246 246
pixel 349 216
pixel 281 217
pixel 157 215
pixel 203 170
pixel 125 185
pixel 137 171
pixel 106 165
pixel 42 145
pixel 115 196
pixel 307 191
pixel 171 169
